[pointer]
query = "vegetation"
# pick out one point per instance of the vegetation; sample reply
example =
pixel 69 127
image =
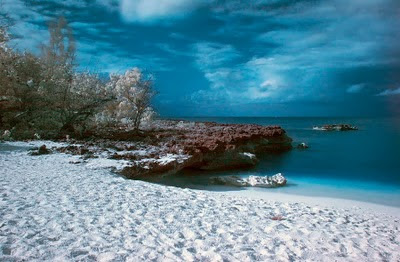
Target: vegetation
pixel 47 95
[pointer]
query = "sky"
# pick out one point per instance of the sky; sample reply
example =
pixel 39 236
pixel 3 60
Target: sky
pixel 236 57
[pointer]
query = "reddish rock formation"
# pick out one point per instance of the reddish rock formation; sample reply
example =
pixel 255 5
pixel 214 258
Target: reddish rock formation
pixel 167 147
pixel 213 146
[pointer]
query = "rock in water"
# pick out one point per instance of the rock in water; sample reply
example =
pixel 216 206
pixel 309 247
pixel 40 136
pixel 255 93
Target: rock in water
pixel 266 181
pixel 228 181
pixel 41 151
pixel 277 180
pixel 336 127
pixel 302 146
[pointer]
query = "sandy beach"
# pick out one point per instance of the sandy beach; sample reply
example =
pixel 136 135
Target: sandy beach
pixel 54 210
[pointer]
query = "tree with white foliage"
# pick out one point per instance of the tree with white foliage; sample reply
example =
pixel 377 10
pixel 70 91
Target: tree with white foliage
pixel 87 95
pixel 45 94
pixel 20 75
pixel 133 92
pixel 4 23
pixel 3 37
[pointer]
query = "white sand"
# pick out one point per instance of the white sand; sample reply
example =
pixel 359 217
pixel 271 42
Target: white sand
pixel 53 210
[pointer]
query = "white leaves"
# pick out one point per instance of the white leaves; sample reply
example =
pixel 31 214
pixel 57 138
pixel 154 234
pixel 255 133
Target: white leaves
pixel 29 83
pixel 4 37
pixel 86 84
pixel 131 105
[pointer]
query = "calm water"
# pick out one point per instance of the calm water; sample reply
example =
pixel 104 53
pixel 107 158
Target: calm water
pixel 360 165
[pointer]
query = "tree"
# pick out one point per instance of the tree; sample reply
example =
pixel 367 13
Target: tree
pixel 60 52
pixel 20 75
pixel 3 62
pixel 74 97
pixel 58 58
pixel 88 94
pixel 3 37
pixel 20 80
pixel 4 25
pixel 4 59
pixel 134 92
pixel 47 92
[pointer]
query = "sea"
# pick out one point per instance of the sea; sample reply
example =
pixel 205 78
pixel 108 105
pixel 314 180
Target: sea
pixel 362 165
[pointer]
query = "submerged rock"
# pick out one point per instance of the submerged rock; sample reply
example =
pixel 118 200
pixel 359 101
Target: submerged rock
pixel 277 180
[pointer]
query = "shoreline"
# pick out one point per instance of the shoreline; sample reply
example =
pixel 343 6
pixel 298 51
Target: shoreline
pixel 321 201
pixel 102 161
pixel 55 209
pixel 167 147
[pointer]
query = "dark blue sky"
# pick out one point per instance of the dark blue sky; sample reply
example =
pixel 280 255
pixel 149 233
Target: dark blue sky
pixel 237 57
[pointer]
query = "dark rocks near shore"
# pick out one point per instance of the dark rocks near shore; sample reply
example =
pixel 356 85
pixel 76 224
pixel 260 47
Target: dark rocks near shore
pixel 277 180
pixel 166 147
pixel 76 150
pixel 213 146
pixel 42 150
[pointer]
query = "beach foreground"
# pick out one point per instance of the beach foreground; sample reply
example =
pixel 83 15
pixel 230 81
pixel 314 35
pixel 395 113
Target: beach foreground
pixel 53 209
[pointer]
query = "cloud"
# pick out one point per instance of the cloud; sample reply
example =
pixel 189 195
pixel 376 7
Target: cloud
pixel 172 51
pixel 95 51
pixel 156 10
pixel 254 80
pixel 264 52
pixel 214 60
pixel 27 30
pixel 390 92
pixel 211 55
pixel 304 50
pixel 105 58
pixel 355 88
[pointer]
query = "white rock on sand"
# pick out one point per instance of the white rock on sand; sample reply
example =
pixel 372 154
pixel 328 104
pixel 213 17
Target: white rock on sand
pixel 51 210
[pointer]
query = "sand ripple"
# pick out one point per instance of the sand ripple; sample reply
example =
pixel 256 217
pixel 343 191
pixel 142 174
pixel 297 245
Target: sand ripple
pixel 53 210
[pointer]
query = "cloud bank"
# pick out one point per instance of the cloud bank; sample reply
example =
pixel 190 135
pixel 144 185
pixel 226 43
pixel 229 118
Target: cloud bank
pixel 156 10
pixel 216 55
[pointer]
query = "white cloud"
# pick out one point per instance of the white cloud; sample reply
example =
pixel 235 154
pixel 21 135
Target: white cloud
pixel 355 88
pixel 256 80
pixel 211 55
pixel 110 60
pixel 259 79
pixel 26 33
pixel 155 10
pixel 389 92
pixel 318 40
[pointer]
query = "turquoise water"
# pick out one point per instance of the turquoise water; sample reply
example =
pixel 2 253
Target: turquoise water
pixel 360 165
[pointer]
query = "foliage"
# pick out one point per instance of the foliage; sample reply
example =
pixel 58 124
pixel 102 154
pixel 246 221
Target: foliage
pixel 133 92
pixel 47 95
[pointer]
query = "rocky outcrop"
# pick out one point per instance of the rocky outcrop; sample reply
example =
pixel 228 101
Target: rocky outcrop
pixel 226 146
pixel 170 146
pixel 277 180
pixel 213 146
